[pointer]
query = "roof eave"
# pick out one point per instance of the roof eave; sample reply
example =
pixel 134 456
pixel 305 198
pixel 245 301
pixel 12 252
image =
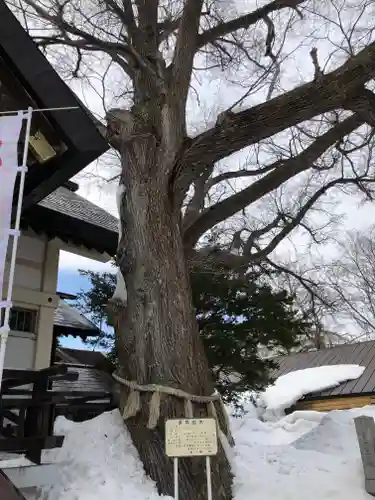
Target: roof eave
pixel 59 330
pixel 69 230
pixel 48 90
pixel 41 186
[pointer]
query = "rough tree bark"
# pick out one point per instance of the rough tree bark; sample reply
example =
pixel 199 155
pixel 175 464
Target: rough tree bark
pixel 158 334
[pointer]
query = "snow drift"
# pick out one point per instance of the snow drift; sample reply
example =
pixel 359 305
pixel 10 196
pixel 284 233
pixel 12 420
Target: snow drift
pixel 308 453
pixel 99 461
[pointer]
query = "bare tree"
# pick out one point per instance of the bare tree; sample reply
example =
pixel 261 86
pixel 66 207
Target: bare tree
pixel 170 201
pixel 352 279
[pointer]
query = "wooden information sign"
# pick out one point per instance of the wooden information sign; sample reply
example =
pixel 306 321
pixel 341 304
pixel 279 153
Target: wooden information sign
pixel 191 437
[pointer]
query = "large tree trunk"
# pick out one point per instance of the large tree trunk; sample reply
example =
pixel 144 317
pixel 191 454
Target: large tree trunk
pixel 158 337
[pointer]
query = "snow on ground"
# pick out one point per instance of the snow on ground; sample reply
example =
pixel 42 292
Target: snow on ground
pixel 289 388
pixel 99 462
pixel 324 463
pixel 13 460
pixel 305 453
pixel 313 454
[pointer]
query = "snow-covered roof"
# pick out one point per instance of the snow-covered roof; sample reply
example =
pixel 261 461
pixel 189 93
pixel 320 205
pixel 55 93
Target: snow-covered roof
pixel 292 386
pixel 362 354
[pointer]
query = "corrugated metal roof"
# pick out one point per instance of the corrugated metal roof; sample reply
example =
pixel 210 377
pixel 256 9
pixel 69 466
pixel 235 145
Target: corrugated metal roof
pixel 67 202
pixel 69 318
pixel 362 354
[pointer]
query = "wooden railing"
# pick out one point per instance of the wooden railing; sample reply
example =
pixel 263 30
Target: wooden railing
pixel 27 413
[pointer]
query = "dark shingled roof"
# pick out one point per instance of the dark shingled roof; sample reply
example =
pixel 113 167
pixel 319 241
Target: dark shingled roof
pixel 66 201
pixel 92 369
pixel 362 354
pixel 69 321
pixel 83 357
pixel 68 216
pixel 89 380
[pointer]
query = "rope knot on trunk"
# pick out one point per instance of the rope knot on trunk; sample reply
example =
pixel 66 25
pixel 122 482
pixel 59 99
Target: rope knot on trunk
pixel 133 404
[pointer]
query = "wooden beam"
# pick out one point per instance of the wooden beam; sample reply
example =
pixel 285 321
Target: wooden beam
pixel 88 407
pixel 18 403
pixel 329 404
pixel 18 445
pixel 7 490
pixel 37 422
pixel 23 295
pixel 11 416
pixel 365 428
pixel 17 378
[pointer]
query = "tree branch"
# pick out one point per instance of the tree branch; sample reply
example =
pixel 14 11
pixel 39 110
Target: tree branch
pixel 196 203
pixel 125 14
pixel 245 21
pixel 254 235
pixel 127 50
pixel 285 171
pixel 216 256
pixel 226 176
pixel 128 16
pixel 183 58
pixel 81 44
pixel 295 221
pixel 253 125
pixel 363 103
pixel 148 26
pixel 167 27
pixel 59 22
pixel 307 283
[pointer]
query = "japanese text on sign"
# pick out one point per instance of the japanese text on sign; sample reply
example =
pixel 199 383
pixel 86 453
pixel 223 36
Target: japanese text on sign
pixel 191 437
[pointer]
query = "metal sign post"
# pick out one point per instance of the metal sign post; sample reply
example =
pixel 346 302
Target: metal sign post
pixel 175 477
pixel 191 437
pixel 208 474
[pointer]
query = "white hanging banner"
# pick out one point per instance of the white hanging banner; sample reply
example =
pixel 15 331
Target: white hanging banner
pixel 10 129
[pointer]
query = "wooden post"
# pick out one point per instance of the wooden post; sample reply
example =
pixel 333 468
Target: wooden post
pixel 35 423
pixel 365 428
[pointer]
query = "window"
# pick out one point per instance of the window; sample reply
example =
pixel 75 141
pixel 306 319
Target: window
pixel 22 320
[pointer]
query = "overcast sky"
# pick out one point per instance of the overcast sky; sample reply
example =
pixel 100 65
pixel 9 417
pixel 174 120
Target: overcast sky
pixel 215 94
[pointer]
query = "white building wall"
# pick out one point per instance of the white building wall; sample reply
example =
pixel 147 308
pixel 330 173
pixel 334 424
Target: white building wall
pixel 20 352
pixel 35 283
